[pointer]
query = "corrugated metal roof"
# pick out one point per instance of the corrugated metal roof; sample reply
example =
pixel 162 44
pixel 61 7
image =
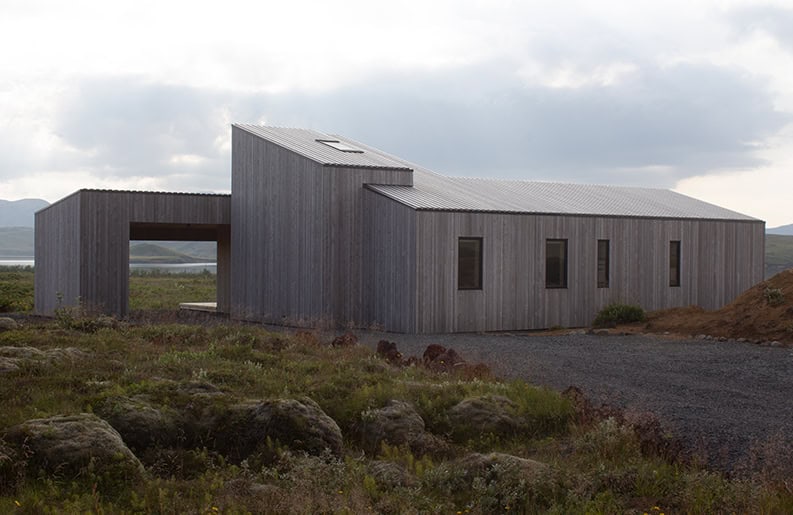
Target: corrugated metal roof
pixel 304 142
pixel 431 191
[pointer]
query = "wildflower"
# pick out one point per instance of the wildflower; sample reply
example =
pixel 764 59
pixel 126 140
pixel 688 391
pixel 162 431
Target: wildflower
pixel 17 503
pixel 341 492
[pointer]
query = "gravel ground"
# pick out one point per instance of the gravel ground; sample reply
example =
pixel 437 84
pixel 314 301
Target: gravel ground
pixel 719 397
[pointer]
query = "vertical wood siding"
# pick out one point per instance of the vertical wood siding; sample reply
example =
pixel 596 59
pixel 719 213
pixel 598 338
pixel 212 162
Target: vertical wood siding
pixel 297 234
pixel 57 249
pixel 720 259
pixel 85 238
pixel 389 258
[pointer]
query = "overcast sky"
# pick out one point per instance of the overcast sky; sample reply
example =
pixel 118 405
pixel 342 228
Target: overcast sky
pixel 693 95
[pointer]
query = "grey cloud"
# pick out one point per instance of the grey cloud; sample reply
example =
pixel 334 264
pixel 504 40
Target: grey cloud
pixel 775 21
pixel 689 119
pixel 133 128
pixel 476 121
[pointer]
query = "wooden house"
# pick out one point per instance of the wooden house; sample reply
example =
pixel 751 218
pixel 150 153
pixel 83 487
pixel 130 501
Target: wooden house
pixel 328 231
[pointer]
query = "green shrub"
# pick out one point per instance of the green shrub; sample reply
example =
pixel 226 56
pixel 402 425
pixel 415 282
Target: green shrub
pixel 774 296
pixel 614 314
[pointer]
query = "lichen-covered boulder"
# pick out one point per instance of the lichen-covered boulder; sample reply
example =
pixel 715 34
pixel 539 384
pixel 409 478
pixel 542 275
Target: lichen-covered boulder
pixel 496 463
pixel 30 353
pixel 396 424
pixel 11 358
pixel 299 424
pixel 486 414
pixel 68 446
pixel 8 324
pixel 388 474
pixel 140 424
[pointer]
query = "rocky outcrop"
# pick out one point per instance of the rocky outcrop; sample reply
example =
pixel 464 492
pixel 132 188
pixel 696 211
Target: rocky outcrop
pixel 487 414
pixel 299 424
pixel 140 424
pixel 388 474
pixel 397 424
pixel 8 324
pixel 12 358
pixel 495 463
pixel 68 446
pixel 345 340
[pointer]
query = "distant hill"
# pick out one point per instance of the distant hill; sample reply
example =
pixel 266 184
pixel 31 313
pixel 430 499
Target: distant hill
pixel 19 213
pixel 778 254
pixel 143 252
pixel 16 242
pixel 786 230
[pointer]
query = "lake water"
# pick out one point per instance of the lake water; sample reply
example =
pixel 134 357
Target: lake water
pixel 175 268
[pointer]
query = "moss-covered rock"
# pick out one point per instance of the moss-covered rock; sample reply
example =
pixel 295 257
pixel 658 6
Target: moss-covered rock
pixel 397 424
pixel 299 424
pixel 486 414
pixel 72 446
pixel 140 424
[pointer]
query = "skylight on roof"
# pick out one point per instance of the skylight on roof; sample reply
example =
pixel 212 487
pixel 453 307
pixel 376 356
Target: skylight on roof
pixel 338 145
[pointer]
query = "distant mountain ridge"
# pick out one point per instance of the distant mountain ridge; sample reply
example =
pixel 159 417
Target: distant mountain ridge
pixel 19 213
pixel 18 242
pixel 785 230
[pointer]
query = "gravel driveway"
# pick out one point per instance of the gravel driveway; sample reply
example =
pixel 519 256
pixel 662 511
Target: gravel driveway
pixel 719 397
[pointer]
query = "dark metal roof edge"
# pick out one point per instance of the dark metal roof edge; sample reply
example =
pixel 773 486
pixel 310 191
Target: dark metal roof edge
pixel 373 188
pixel 104 190
pixel 153 192
pixel 587 215
pixel 368 167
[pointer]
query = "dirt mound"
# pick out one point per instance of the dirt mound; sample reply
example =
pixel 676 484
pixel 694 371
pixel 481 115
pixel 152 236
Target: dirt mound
pixel 763 312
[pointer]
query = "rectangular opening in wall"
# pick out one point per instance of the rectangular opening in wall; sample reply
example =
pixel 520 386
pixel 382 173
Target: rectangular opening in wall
pixel 674 263
pixel 603 263
pixel 556 263
pixel 469 264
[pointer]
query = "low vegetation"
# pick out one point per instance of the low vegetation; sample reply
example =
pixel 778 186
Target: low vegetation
pixel 615 314
pixel 16 289
pixel 212 417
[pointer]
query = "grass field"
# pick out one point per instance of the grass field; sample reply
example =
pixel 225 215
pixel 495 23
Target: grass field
pixel 603 463
pixel 147 290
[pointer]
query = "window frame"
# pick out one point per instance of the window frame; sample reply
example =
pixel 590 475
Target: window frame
pixel 478 274
pixel 563 269
pixel 607 265
pixel 675 263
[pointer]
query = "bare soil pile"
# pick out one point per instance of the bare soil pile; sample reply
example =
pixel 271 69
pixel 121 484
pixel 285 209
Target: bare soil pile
pixel 763 312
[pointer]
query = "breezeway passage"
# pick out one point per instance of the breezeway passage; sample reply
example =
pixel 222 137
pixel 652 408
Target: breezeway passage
pixel 720 398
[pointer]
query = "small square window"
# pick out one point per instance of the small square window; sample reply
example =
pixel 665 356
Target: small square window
pixel 469 264
pixel 556 263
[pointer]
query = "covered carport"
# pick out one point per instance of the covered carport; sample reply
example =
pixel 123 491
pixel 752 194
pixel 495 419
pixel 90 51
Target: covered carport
pixel 82 243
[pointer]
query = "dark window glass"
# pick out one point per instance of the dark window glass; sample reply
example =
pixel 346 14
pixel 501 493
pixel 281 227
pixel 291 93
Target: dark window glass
pixel 674 263
pixel 603 263
pixel 469 264
pixel 556 263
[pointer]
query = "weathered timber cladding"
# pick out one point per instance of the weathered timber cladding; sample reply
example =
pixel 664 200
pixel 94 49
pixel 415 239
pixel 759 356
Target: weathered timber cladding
pixel 99 229
pixel 297 238
pixel 57 249
pixel 720 259
pixel 389 264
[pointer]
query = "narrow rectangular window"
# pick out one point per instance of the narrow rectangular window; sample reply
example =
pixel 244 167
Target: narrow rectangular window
pixel 603 263
pixel 469 264
pixel 556 263
pixel 674 263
